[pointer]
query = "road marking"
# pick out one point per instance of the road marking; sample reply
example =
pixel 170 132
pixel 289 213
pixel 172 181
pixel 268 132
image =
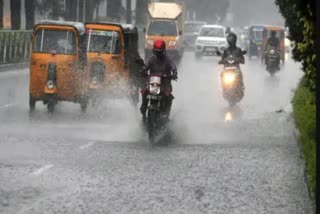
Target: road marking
pixel 42 169
pixel 7 105
pixel 87 145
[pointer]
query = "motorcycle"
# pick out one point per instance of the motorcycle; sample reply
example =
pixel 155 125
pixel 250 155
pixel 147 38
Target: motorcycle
pixel 233 90
pixel 157 117
pixel 272 60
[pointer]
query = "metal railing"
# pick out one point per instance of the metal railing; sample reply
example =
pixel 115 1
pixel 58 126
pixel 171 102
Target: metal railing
pixel 15 46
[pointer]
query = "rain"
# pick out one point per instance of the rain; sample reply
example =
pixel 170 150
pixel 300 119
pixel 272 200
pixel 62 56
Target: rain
pixel 96 156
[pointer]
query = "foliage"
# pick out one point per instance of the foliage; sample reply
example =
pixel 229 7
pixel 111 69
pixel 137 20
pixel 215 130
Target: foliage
pixel 304 112
pixel 300 17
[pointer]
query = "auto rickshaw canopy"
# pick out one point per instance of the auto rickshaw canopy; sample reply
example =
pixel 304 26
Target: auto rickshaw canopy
pixel 78 26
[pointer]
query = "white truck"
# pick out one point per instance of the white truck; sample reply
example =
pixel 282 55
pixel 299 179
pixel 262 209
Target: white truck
pixel 165 21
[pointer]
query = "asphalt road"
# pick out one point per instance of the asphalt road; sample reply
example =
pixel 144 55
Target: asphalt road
pixel 101 162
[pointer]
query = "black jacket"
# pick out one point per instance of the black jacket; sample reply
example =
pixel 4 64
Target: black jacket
pixel 235 51
pixel 273 41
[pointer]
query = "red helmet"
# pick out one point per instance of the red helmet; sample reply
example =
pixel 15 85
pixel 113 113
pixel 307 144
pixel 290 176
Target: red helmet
pixel 159 48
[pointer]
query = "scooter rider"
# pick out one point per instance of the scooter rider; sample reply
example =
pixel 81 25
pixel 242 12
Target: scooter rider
pixel 160 63
pixel 233 50
pixel 273 41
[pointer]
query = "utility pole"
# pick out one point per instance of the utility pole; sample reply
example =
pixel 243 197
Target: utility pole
pixel 128 4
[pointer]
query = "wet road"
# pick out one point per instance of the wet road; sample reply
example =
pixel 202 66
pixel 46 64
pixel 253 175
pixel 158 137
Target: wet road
pixel 101 162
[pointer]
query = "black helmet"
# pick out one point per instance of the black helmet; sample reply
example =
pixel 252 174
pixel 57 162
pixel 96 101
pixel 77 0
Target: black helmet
pixel 232 39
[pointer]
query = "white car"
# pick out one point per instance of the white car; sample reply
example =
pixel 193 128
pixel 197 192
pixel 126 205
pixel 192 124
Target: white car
pixel 210 39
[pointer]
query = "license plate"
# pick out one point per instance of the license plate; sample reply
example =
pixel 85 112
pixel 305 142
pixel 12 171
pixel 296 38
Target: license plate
pixel 210 49
pixel 153 97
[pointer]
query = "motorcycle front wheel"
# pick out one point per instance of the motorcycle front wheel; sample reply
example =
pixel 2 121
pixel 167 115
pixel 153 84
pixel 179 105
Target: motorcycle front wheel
pixel 152 125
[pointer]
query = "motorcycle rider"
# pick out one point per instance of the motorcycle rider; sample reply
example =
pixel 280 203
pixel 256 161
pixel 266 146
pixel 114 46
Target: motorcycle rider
pixel 234 51
pixel 160 63
pixel 273 41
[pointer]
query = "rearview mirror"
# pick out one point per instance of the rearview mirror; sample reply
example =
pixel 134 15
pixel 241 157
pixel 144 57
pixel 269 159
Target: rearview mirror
pixel 180 32
pixel 244 52
pixel 140 62
pixel 144 30
pixel 218 53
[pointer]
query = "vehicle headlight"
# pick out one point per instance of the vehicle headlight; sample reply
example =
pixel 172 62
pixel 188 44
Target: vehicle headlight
pixel 222 43
pixel 150 42
pixel 154 89
pixel 199 42
pixel 229 78
pixel 172 43
pixel 50 84
pixel 272 52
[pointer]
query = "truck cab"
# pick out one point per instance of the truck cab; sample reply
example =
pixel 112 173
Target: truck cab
pixel 166 23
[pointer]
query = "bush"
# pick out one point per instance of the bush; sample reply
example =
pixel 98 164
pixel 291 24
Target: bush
pixel 304 112
pixel 300 16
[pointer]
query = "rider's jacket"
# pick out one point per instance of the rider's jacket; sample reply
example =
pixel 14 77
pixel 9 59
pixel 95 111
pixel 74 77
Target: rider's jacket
pixel 165 66
pixel 235 51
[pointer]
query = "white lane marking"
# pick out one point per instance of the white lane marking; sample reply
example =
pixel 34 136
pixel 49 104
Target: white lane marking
pixel 7 105
pixel 87 145
pixel 42 169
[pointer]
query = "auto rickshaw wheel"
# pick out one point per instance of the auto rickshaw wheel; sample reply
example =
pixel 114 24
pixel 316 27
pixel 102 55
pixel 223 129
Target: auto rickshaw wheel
pixel 32 103
pixel 50 105
pixel 84 105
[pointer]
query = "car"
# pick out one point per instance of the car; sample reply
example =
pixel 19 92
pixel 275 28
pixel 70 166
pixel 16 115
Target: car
pixel 211 38
pixel 191 33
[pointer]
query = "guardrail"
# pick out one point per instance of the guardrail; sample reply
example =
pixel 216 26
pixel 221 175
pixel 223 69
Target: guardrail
pixel 15 46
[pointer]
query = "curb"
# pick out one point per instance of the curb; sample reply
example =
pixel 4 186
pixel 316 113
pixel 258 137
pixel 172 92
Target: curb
pixel 11 67
pixel 296 134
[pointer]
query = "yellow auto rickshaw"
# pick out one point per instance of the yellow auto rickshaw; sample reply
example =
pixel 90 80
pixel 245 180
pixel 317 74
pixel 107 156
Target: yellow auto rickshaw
pixel 280 34
pixel 57 62
pixel 110 47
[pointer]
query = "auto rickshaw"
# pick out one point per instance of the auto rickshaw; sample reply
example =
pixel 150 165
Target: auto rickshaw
pixel 255 40
pixel 280 34
pixel 111 48
pixel 57 64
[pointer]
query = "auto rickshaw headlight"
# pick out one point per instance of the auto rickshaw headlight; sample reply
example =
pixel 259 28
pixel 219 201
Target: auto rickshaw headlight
pixel 50 84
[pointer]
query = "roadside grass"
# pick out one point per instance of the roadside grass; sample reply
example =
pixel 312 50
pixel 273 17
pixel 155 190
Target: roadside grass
pixel 304 113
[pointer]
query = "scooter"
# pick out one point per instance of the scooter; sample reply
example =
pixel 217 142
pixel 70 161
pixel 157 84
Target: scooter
pixel 233 90
pixel 272 61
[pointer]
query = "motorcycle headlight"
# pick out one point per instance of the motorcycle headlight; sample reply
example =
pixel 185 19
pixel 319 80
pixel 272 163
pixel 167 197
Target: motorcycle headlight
pixel 50 84
pixel 154 89
pixel 272 52
pixel 150 42
pixel 172 43
pixel 229 78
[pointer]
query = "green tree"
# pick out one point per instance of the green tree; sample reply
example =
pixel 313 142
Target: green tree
pixel 141 12
pixel 300 16
pixel 1 14
pixel 54 9
pixel 30 7
pixel 15 7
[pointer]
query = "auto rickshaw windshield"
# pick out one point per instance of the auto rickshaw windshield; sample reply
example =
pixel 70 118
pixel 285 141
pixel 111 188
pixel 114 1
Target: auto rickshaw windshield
pixel 57 41
pixel 257 34
pixel 102 41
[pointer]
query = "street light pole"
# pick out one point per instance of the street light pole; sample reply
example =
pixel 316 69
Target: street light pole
pixel 128 4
